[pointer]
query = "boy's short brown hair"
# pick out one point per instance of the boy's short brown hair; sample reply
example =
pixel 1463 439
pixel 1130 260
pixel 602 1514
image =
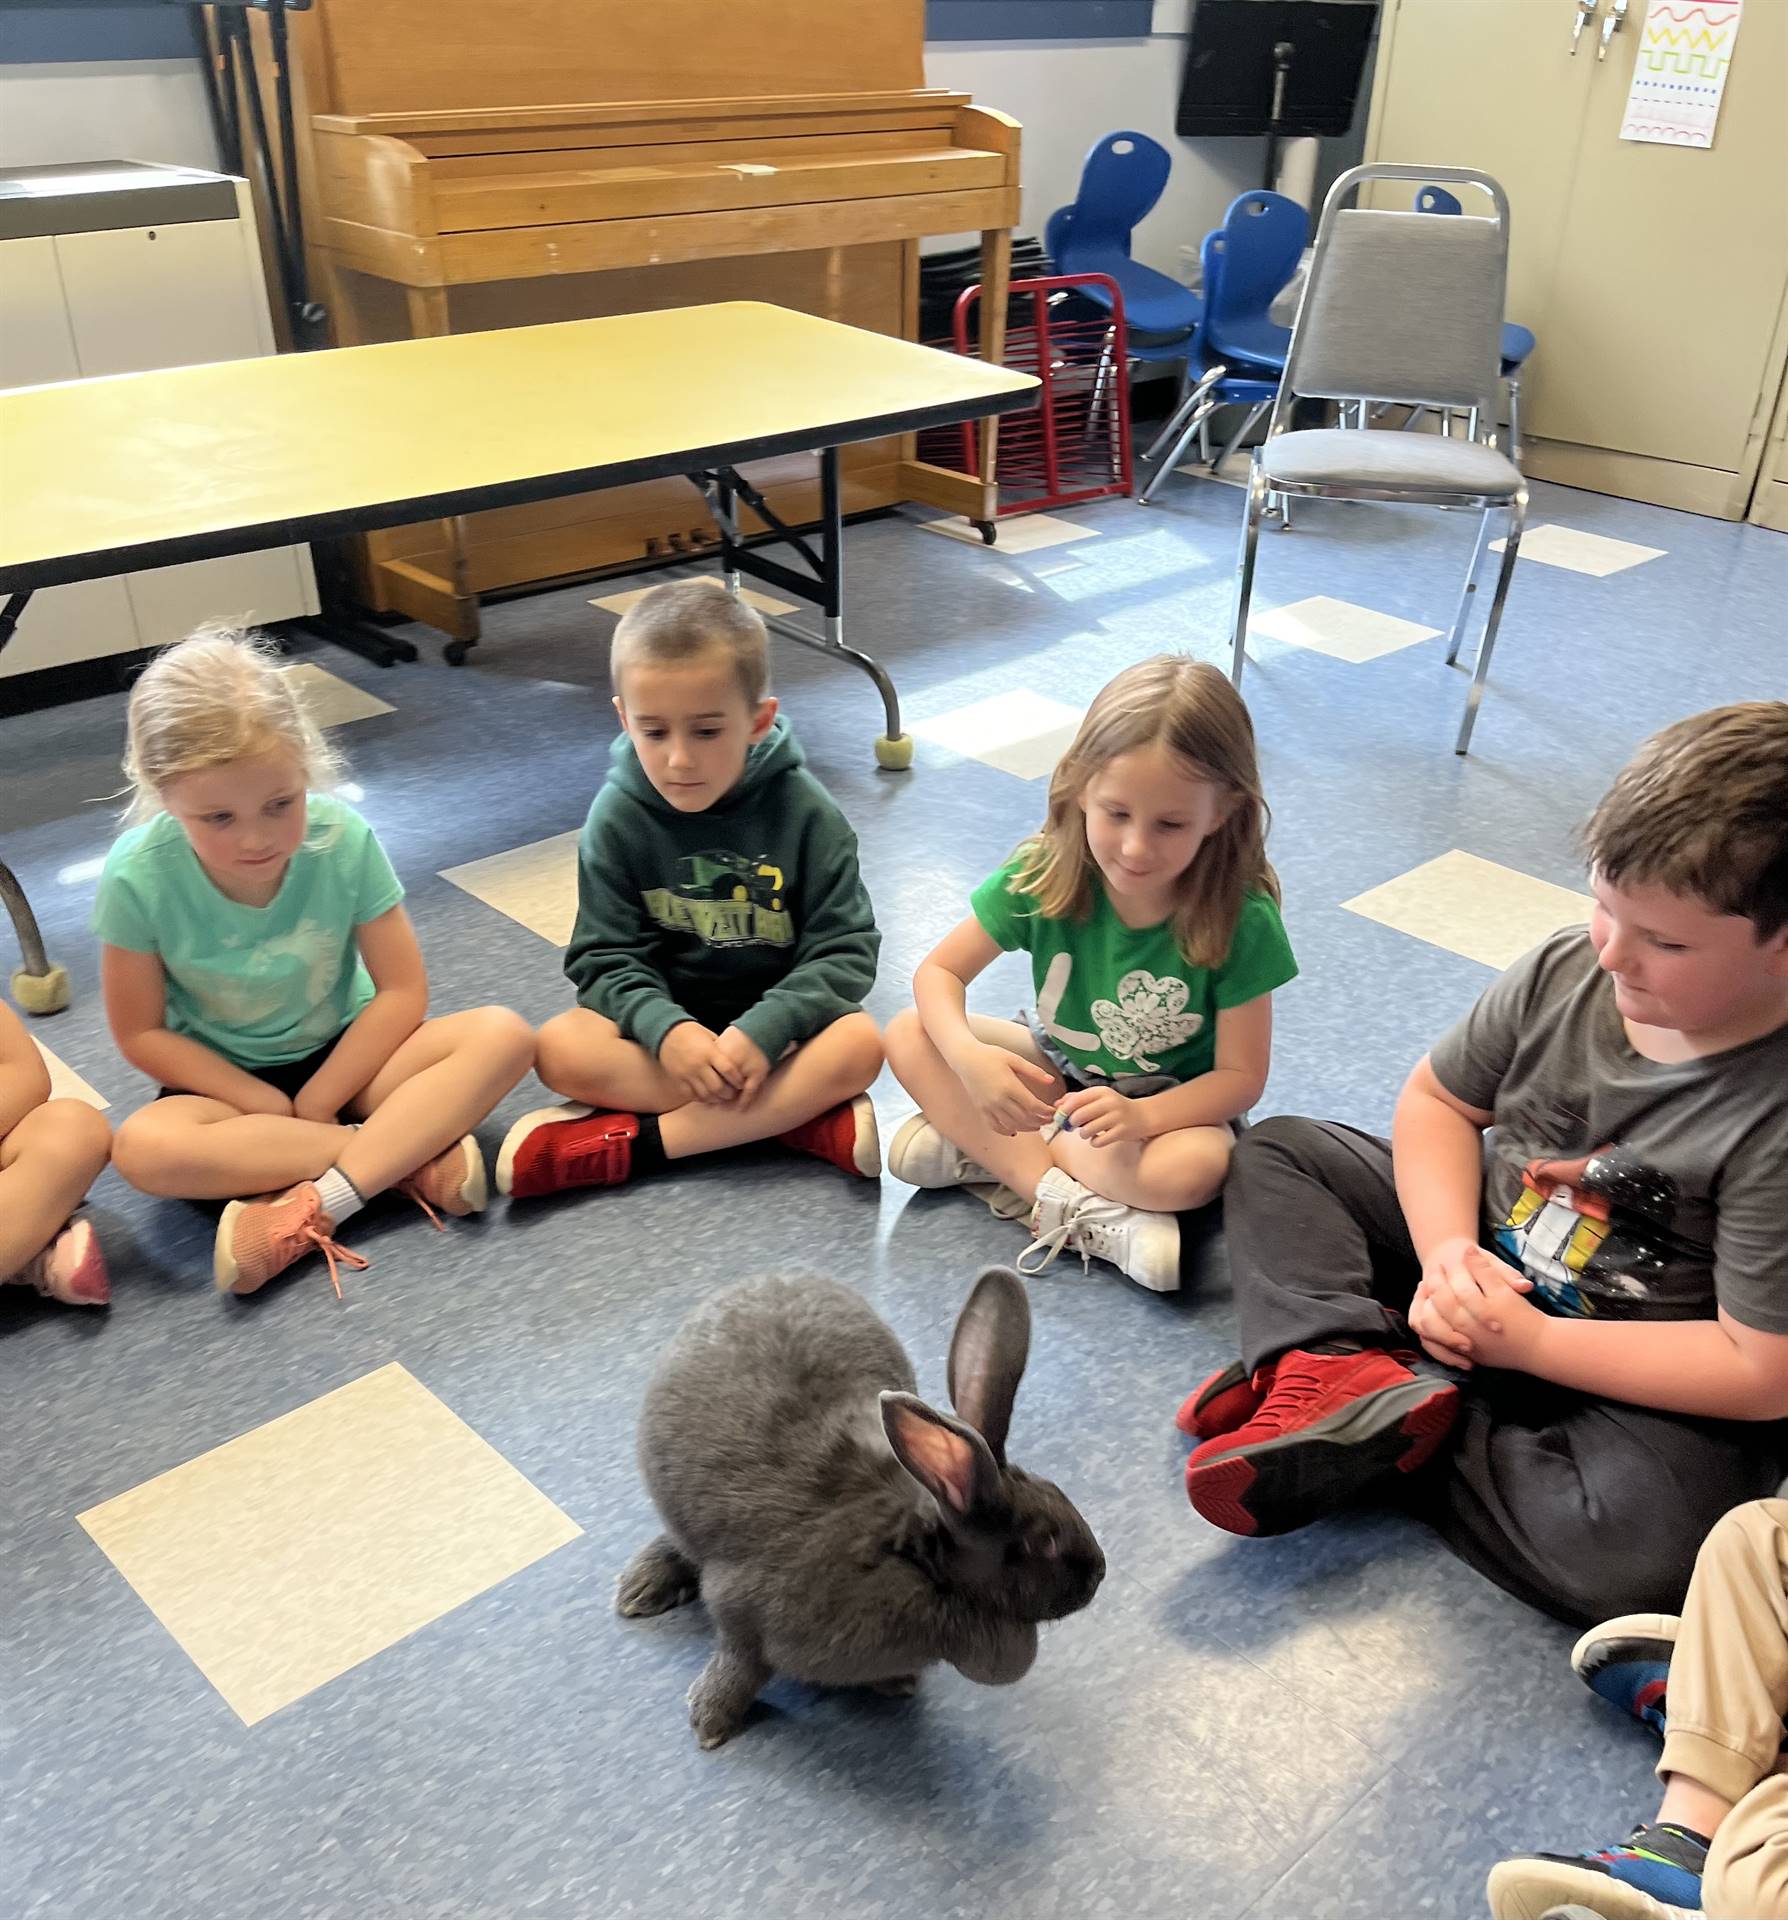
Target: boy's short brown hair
pixel 674 624
pixel 1702 808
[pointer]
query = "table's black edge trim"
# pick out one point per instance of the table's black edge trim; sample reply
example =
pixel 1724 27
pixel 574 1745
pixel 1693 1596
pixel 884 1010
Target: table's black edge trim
pixel 103 563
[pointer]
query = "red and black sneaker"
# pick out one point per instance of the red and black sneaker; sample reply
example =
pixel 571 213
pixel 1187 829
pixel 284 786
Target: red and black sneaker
pixel 845 1135
pixel 555 1148
pixel 1222 1402
pixel 1330 1426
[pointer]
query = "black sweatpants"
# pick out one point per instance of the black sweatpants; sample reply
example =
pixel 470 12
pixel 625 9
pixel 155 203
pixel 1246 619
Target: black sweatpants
pixel 1581 1506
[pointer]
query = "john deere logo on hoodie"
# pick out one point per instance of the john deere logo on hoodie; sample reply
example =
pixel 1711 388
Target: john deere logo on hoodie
pixel 725 901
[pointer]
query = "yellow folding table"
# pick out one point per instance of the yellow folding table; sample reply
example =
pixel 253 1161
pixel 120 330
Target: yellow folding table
pixel 143 470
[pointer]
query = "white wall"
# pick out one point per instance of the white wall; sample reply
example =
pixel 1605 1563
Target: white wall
pixel 100 110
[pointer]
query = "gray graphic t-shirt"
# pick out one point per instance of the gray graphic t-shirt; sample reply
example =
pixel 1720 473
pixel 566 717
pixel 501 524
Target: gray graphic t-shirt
pixel 1626 1189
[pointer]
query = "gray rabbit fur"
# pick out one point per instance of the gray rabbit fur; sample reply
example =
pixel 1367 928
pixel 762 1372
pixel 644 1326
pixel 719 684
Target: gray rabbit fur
pixel 839 1529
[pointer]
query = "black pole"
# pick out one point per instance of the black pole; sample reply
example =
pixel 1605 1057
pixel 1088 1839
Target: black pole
pixel 1283 54
pixel 229 158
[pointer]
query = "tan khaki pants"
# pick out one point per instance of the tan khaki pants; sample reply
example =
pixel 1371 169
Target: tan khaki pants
pixel 1727 1696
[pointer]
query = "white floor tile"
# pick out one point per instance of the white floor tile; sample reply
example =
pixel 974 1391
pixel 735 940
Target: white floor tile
pixel 535 885
pixel 282 1559
pixel 764 603
pixel 1020 733
pixel 333 701
pixel 1591 553
pixel 1023 533
pixel 65 1083
pixel 1338 628
pixel 1473 906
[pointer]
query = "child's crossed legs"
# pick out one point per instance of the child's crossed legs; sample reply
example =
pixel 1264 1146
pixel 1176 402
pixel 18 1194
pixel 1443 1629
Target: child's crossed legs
pixel 1170 1173
pixel 583 1056
pixel 47 1163
pixel 439 1084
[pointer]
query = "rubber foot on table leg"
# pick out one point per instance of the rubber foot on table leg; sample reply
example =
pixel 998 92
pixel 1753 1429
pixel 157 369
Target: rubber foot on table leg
pixel 48 992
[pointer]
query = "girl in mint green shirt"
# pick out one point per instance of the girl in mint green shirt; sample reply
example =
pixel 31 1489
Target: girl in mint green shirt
pixel 258 964
pixel 1152 920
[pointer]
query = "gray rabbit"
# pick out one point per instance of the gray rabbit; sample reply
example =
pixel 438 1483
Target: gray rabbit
pixel 839 1529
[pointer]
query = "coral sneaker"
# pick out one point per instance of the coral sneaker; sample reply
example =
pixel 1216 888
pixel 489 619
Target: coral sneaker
pixel 71 1268
pixel 257 1239
pixel 845 1135
pixel 556 1148
pixel 453 1182
pixel 1222 1402
pixel 1331 1425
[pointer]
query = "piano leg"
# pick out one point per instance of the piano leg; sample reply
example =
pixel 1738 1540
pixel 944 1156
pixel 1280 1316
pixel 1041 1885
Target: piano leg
pixel 821 585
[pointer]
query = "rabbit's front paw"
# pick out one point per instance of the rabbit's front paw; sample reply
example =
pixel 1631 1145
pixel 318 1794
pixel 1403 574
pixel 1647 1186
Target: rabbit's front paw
pixel 656 1579
pixel 714 1715
pixel 722 1695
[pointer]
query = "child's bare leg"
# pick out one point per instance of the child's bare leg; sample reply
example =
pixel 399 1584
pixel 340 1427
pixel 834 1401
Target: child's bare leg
pixel 837 1064
pixel 186 1147
pixel 583 1056
pixel 47 1163
pixel 1019 1160
pixel 1171 1173
pixel 433 1090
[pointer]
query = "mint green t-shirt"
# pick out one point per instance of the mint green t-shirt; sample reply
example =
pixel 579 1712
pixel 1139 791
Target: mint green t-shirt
pixel 259 985
pixel 1125 1000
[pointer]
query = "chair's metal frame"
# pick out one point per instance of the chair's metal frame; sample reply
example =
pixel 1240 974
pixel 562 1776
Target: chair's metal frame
pixel 1483 412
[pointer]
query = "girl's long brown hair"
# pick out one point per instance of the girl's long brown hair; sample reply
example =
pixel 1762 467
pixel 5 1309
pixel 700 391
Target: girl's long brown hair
pixel 1188 707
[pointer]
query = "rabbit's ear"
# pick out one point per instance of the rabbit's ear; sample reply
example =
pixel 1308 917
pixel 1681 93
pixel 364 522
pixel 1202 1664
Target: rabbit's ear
pixel 987 1354
pixel 949 1460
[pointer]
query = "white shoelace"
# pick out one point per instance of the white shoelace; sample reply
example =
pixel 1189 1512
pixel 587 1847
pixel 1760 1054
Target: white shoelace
pixel 1093 1230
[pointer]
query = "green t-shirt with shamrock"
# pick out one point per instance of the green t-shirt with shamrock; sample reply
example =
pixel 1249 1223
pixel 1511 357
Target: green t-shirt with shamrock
pixel 1125 1000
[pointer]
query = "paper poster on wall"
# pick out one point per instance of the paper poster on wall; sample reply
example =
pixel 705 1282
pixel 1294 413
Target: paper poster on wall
pixel 1680 73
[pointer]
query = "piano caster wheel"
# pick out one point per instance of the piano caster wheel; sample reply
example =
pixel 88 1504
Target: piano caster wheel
pixel 895 755
pixel 456 651
pixel 48 992
pixel 988 531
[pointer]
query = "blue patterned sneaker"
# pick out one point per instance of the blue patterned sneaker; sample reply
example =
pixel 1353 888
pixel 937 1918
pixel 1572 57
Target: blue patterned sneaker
pixel 1627 1661
pixel 1654 1874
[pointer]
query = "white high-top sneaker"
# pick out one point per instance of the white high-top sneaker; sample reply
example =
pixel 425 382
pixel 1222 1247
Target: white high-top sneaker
pixel 1070 1218
pixel 922 1157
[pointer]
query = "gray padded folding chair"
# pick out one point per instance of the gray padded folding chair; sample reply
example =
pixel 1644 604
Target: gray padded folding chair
pixel 1399 309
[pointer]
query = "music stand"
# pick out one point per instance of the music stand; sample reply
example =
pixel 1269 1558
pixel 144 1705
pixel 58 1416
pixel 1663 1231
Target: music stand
pixel 1285 68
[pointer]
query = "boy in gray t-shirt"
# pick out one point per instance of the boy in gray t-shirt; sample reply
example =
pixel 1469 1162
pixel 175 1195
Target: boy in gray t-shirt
pixel 1567 1274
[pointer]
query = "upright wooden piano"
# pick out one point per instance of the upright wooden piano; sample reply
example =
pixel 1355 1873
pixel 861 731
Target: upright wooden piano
pixel 470 164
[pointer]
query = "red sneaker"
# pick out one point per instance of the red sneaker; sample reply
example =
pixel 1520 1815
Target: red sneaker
pixel 1329 1427
pixel 555 1148
pixel 1221 1403
pixel 845 1134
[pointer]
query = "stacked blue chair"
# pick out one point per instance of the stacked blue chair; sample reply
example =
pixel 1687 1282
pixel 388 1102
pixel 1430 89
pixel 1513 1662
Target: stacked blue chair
pixel 1120 183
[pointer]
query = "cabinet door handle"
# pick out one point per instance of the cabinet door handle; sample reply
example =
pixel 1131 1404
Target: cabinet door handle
pixel 1586 12
pixel 1612 22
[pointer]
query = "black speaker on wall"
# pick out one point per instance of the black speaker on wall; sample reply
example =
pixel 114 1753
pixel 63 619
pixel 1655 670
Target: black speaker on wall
pixel 1280 67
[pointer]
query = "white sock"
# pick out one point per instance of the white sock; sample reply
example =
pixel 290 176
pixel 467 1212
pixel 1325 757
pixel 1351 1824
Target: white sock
pixel 340 1197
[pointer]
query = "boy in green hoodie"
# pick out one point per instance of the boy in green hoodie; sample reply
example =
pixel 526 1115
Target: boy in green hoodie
pixel 724 943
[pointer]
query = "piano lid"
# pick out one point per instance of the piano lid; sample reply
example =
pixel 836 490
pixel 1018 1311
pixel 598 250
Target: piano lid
pixel 367 57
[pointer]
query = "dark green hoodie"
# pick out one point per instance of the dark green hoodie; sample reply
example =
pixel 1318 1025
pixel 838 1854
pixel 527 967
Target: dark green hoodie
pixel 751 914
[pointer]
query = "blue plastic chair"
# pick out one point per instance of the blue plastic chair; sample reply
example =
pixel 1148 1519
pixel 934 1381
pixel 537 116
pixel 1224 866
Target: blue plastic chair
pixel 1120 182
pixel 1264 239
pixel 1517 341
pixel 1212 381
